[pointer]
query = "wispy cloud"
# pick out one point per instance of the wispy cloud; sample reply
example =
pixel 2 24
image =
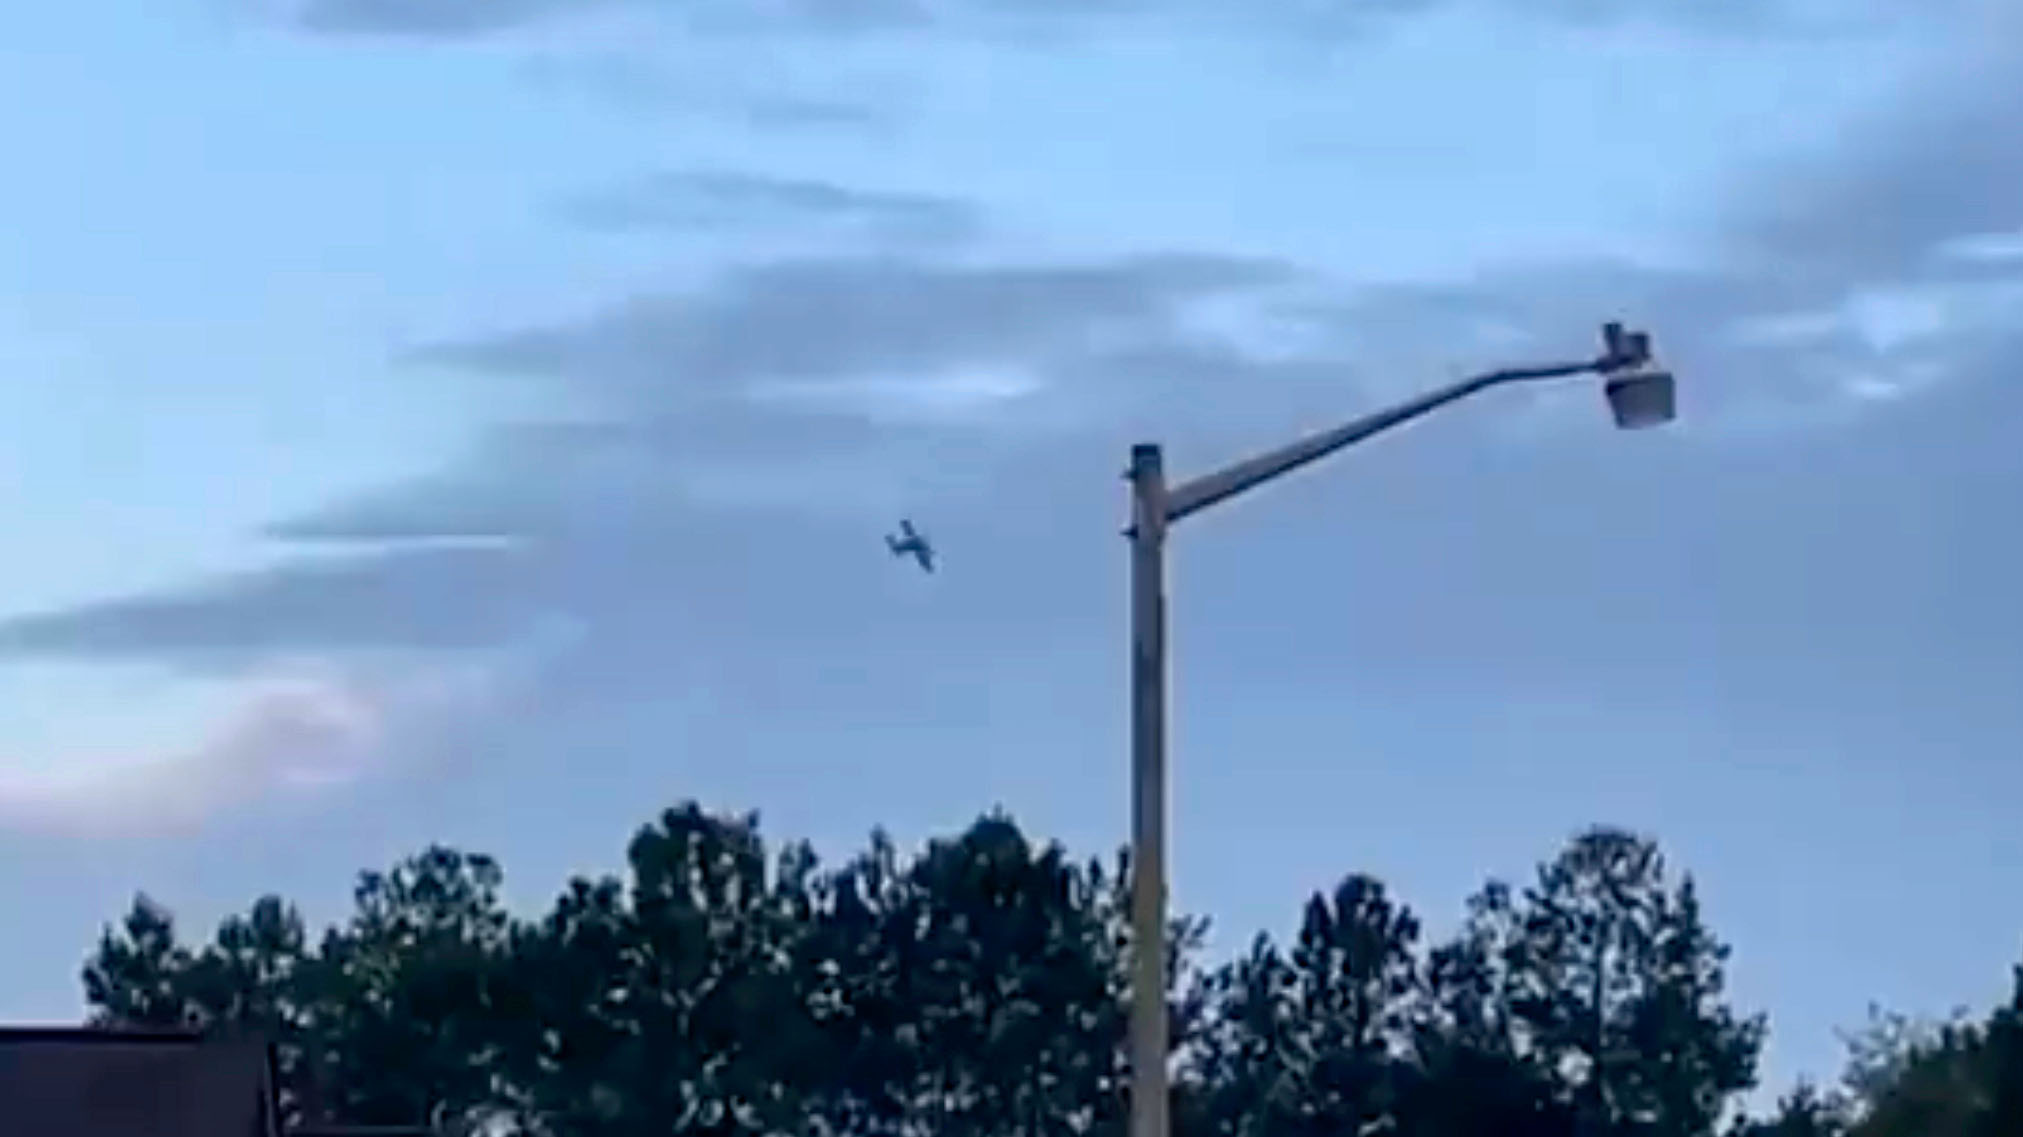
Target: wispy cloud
pixel 855 316
pixel 783 376
pixel 636 79
pixel 787 374
pixel 799 375
pixel 294 730
pixel 1892 200
pixel 810 111
pixel 1890 245
pixel 449 19
pixel 716 199
pixel 323 603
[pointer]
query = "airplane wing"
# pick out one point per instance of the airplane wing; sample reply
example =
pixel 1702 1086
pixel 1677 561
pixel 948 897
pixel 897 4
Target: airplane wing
pixel 925 555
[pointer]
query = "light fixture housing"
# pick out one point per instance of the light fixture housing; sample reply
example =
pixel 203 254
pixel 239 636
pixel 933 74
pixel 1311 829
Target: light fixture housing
pixel 1641 397
pixel 1641 394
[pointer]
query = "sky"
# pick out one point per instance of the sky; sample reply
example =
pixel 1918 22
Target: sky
pixel 444 420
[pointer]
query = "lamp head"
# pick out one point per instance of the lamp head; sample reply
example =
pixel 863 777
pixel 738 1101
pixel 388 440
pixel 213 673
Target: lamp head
pixel 1641 394
pixel 1641 397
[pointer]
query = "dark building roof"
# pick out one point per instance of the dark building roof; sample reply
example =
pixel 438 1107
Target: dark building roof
pixel 115 1083
pixel 361 1131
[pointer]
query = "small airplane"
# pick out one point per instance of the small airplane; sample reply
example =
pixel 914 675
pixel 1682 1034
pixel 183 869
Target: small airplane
pixel 911 544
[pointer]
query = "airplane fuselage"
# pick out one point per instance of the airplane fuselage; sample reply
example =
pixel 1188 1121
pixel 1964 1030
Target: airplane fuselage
pixel 912 546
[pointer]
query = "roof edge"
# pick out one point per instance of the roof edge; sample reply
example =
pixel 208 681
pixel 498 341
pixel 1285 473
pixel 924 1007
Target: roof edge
pixel 91 1034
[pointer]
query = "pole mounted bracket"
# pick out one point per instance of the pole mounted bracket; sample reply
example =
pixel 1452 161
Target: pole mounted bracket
pixel 1623 349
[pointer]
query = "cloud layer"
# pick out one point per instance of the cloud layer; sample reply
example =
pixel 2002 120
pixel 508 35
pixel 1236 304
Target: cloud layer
pixel 716 199
pixel 708 509
pixel 449 19
pixel 785 405
pixel 731 437
pixel 298 729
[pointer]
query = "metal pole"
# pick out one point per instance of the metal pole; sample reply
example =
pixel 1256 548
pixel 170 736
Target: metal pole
pixel 1150 1094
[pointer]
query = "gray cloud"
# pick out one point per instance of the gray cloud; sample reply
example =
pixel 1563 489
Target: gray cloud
pixel 634 81
pixel 438 597
pixel 677 428
pixel 714 199
pixel 457 19
pixel 1938 167
pixel 789 112
pixel 729 435
pixel 686 513
pixel 851 317
pixel 448 19
pixel 1811 569
pixel 710 517
pixel 294 732
pixel 444 19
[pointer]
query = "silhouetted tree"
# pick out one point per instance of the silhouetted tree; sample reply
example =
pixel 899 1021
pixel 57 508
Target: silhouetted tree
pixel 667 1005
pixel 139 976
pixel 1474 1070
pixel 1961 1079
pixel 980 989
pixel 1619 987
pixel 1804 1112
pixel 388 1018
pixel 406 998
pixel 1309 1044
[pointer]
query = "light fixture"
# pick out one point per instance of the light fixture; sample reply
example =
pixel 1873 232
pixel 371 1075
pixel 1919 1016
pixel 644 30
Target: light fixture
pixel 1642 397
pixel 1640 393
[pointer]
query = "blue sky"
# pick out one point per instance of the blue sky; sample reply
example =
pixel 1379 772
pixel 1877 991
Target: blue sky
pixel 475 422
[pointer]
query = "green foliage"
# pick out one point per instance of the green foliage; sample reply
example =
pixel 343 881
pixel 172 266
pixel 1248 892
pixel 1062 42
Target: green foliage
pixel 1310 1042
pixel 141 975
pixel 1961 1079
pixel 1804 1112
pixel 724 988
pixel 404 997
pixel 667 1003
pixel 1620 985
pixel 1476 1068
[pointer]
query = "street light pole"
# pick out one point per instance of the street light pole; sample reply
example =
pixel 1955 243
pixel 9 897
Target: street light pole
pixel 1639 395
pixel 1150 510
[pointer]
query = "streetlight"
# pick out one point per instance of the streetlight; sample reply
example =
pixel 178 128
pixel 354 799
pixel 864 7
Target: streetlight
pixel 1640 394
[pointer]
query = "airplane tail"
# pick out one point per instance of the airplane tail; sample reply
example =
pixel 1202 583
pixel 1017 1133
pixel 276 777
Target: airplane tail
pixel 893 544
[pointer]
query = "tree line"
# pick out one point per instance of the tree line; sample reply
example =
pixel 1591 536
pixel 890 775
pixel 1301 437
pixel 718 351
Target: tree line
pixel 978 988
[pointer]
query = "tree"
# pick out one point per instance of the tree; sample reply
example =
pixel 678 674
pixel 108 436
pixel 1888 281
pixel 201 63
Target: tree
pixel 252 979
pixel 2002 1064
pixel 666 1005
pixel 850 974
pixel 1310 1043
pixel 1961 1079
pixel 980 989
pixel 974 991
pixel 406 1002
pixel 1472 1069
pixel 1619 990
pixel 139 974
pixel 248 980
pixel 1804 1112
pixel 390 1017
pixel 1354 971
